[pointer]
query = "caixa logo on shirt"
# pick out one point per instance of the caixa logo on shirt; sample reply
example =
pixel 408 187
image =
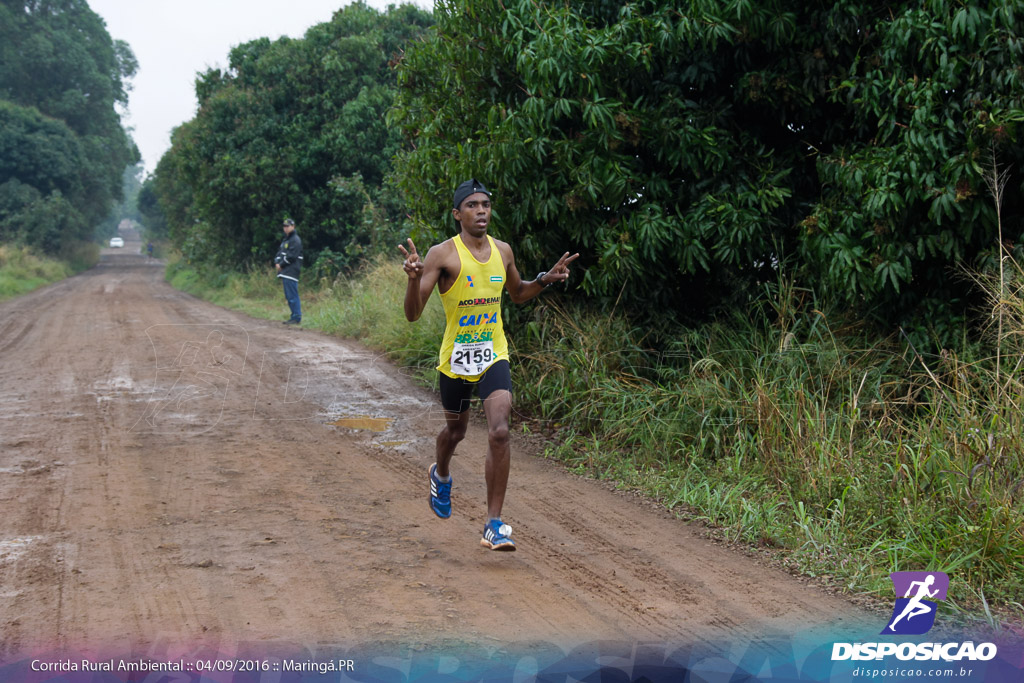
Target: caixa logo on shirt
pixel 479 319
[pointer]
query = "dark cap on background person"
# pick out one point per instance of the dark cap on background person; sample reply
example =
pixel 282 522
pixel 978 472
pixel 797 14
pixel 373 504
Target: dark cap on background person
pixel 288 221
pixel 467 188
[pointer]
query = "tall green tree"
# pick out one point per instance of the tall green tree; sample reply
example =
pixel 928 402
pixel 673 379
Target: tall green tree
pixel 63 149
pixel 663 140
pixel 151 212
pixel 291 128
pixel 938 90
pixel 692 149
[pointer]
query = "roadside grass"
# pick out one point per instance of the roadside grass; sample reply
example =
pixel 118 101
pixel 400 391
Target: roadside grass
pixel 79 256
pixel 368 307
pixel 22 270
pixel 257 293
pixel 858 459
pixel 782 428
pixel 360 306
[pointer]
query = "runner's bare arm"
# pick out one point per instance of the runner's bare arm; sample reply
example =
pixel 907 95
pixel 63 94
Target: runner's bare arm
pixel 423 276
pixel 520 290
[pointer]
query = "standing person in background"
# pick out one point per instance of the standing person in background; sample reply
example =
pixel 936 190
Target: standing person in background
pixel 471 270
pixel 288 263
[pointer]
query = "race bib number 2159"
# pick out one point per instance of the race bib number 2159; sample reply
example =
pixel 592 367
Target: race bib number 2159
pixel 472 358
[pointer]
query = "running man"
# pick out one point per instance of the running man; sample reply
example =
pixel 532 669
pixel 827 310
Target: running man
pixel 915 607
pixel 470 271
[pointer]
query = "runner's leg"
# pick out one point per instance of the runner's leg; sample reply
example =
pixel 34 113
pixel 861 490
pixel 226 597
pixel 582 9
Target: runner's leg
pixel 452 433
pixel 497 408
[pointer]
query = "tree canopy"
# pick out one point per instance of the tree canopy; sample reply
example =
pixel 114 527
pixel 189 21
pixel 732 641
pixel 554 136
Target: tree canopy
pixel 694 150
pixel 63 149
pixel 292 128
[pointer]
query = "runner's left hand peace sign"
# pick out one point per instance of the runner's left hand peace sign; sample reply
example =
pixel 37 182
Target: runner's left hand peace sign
pixel 560 271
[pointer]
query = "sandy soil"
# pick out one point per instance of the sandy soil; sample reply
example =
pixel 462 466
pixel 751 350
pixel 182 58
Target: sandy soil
pixel 170 479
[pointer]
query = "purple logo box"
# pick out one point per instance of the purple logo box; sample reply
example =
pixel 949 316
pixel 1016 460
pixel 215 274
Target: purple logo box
pixel 901 583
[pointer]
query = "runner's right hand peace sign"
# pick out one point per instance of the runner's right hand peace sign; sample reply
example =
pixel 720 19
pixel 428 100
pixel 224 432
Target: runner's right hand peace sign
pixel 412 265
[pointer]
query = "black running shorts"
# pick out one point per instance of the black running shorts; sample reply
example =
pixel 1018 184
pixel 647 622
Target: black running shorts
pixel 456 393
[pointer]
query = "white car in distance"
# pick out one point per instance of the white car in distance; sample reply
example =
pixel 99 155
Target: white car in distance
pixel 116 242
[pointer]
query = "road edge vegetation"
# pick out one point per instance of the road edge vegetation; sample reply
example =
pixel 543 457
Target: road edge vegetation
pixel 23 270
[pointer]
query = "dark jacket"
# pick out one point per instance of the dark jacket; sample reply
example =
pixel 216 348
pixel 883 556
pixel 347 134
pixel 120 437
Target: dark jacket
pixel 289 256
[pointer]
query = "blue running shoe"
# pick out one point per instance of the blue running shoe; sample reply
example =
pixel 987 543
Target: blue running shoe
pixel 496 536
pixel 440 495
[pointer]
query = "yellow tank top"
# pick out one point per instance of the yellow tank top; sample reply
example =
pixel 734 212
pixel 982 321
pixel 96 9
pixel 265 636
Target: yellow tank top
pixel 474 338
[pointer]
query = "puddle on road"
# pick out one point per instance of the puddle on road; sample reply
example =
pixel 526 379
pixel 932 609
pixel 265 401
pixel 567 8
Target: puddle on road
pixel 374 424
pixel 11 548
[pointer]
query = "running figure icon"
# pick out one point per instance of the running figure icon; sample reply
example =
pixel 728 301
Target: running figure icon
pixel 915 607
pixel 916 602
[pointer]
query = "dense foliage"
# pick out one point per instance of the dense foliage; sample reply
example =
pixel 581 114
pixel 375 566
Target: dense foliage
pixel 938 91
pixel 63 149
pixel 691 149
pixel 291 128
pixel 151 213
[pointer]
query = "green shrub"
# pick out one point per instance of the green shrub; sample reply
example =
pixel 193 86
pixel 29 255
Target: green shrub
pixel 22 270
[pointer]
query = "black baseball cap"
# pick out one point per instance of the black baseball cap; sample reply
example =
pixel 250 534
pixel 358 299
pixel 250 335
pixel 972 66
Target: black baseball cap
pixel 467 188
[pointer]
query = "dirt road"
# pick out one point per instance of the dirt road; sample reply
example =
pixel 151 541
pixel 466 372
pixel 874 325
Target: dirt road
pixel 170 478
